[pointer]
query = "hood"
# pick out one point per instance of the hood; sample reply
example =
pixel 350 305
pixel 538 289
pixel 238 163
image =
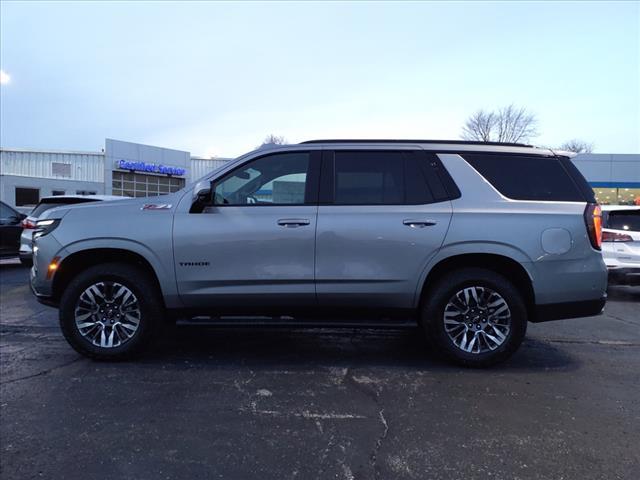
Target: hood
pixel 162 202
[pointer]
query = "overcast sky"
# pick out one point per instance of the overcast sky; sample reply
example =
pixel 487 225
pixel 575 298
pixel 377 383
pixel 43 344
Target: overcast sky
pixel 216 78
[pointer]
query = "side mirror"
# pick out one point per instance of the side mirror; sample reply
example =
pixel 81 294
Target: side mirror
pixel 202 191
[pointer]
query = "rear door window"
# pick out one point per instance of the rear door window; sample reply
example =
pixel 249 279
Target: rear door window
pixel 522 177
pixel 378 177
pixel 7 212
pixel 415 175
pixel 369 178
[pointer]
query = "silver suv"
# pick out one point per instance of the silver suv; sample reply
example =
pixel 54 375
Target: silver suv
pixel 468 240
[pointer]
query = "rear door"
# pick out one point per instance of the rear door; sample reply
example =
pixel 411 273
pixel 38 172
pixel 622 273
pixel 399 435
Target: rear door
pixel 254 247
pixel 383 214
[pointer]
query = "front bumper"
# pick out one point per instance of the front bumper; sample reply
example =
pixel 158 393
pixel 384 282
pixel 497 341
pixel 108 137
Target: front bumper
pixel 563 311
pixel 45 249
pixel 42 298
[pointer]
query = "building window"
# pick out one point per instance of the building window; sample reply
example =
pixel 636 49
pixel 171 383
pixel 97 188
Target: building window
pixel 57 192
pixel 129 184
pixel 85 192
pixel 27 196
pixel 617 196
pixel 61 169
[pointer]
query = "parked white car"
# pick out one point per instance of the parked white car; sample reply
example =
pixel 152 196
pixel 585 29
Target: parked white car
pixel 47 203
pixel 621 241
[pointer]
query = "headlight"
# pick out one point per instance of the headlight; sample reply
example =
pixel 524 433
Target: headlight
pixel 44 227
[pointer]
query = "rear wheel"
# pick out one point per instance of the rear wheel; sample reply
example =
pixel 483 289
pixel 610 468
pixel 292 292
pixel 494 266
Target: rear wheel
pixel 475 317
pixel 110 311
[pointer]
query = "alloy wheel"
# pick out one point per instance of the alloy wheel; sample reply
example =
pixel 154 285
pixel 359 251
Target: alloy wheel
pixel 107 314
pixel 477 319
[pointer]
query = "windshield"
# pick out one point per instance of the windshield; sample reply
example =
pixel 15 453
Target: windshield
pixel 217 169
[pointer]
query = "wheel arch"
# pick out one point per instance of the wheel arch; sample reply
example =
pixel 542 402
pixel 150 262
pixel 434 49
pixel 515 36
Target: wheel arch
pixel 80 260
pixel 498 263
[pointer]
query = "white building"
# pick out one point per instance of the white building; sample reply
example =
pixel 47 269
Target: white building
pixel 124 168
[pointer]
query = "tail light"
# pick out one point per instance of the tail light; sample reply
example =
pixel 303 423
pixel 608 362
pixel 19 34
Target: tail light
pixel 44 227
pixel 28 224
pixel 593 221
pixel 616 237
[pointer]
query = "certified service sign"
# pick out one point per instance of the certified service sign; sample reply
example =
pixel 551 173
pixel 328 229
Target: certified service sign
pixel 150 167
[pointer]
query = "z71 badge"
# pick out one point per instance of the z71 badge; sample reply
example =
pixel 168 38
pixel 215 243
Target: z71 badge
pixel 156 206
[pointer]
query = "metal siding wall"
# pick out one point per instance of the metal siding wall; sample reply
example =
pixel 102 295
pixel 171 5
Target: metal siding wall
pixel 203 166
pixel 46 186
pixel 609 168
pixel 87 167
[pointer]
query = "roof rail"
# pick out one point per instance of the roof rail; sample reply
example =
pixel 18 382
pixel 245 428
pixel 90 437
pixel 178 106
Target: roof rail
pixel 454 142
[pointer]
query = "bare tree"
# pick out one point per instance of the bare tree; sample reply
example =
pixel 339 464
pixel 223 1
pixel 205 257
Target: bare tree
pixel 507 124
pixel 272 139
pixel 577 146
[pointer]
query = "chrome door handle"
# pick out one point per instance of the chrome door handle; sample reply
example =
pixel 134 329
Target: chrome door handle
pixel 293 222
pixel 419 223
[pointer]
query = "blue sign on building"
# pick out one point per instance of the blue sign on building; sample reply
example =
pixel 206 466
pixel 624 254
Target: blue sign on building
pixel 151 168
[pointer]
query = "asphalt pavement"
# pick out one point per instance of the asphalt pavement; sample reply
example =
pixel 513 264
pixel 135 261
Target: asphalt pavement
pixel 318 404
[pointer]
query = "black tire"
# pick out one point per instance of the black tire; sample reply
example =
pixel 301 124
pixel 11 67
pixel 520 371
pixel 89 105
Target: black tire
pixel 433 314
pixel 26 262
pixel 149 301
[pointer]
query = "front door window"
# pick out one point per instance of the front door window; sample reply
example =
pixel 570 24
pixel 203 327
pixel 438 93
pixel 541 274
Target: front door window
pixel 278 179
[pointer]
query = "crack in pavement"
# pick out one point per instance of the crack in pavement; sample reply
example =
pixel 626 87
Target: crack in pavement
pixel 608 343
pixel 253 408
pixel 381 438
pixel 43 372
pixel 623 320
pixel 374 395
pixel 325 454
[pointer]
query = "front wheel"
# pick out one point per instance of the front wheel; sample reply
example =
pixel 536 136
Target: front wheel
pixel 475 317
pixel 109 311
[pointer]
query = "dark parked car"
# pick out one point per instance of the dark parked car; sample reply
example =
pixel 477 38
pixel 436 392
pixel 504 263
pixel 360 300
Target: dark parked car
pixel 10 230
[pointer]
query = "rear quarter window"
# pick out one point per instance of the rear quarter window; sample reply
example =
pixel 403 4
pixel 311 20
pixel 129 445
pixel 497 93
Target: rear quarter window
pixel 523 177
pixel 628 220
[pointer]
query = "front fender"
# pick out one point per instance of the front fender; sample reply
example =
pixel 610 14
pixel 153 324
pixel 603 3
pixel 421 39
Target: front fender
pixel 162 265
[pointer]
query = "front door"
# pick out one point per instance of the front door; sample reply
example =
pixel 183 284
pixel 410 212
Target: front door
pixel 383 220
pixel 254 246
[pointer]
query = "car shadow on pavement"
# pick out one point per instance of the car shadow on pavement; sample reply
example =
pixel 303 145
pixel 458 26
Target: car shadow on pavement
pixel 624 293
pixel 298 348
